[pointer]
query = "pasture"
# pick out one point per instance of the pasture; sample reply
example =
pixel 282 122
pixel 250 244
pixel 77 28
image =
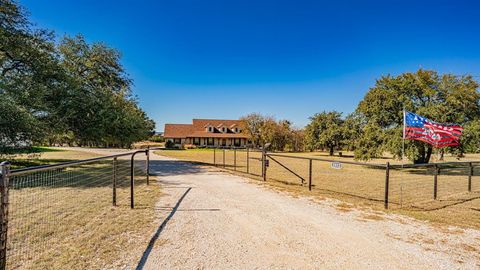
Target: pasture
pixel 411 190
pixel 64 218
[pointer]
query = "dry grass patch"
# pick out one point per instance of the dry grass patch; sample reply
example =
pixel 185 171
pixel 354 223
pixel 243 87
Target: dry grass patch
pixel 47 156
pixel 145 144
pixel 411 191
pixel 372 217
pixel 64 218
pixel 344 207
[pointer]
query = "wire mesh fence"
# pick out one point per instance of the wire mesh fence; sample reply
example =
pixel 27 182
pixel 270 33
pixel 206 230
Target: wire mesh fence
pixel 423 186
pixel 49 207
pixel 406 187
pixel 236 159
pixel 434 186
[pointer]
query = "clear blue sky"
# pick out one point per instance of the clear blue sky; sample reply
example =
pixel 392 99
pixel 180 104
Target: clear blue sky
pixel 288 59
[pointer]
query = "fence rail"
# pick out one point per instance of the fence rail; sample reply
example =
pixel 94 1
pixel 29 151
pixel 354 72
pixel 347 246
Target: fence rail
pixel 416 186
pixel 39 204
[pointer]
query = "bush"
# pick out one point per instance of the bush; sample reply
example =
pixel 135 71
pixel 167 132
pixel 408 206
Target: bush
pixel 169 144
pixel 190 146
pixel 157 138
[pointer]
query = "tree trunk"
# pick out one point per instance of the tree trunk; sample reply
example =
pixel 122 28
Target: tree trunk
pixel 441 153
pixel 429 153
pixel 331 151
pixel 424 155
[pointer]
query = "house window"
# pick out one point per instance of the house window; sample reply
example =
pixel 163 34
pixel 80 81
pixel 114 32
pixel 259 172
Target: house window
pixel 223 129
pixel 237 142
pixel 177 141
pixel 210 141
pixel 196 141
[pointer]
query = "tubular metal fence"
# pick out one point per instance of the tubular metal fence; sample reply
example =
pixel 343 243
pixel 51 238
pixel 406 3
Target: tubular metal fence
pixel 414 186
pixel 42 205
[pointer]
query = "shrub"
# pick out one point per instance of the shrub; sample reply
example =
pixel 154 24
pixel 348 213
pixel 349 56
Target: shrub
pixel 169 144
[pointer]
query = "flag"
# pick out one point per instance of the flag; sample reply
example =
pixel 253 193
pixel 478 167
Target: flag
pixel 440 135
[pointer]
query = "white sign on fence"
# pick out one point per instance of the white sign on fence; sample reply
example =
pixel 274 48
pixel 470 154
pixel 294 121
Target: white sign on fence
pixel 336 165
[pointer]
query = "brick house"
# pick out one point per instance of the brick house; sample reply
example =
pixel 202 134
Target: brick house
pixel 207 133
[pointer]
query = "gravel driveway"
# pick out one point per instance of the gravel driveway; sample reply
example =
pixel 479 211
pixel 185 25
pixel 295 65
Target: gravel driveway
pixel 209 219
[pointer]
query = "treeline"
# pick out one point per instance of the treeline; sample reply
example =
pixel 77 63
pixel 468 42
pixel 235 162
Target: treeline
pixel 63 90
pixel 376 126
pixel 266 129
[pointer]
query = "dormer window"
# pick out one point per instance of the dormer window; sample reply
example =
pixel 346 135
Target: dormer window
pixel 209 129
pixel 223 129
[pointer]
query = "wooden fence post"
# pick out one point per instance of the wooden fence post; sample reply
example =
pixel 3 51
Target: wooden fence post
pixel 310 175
pixel 4 182
pixel 387 184
pixel 114 184
pixel 470 174
pixel 435 181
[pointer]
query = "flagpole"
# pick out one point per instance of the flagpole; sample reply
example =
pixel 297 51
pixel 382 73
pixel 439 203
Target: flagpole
pixel 403 157
pixel 403 138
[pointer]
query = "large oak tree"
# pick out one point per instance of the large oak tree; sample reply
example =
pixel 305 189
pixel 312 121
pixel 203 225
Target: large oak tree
pixel 442 98
pixel 72 91
pixel 325 131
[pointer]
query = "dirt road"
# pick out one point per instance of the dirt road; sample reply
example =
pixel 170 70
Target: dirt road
pixel 210 219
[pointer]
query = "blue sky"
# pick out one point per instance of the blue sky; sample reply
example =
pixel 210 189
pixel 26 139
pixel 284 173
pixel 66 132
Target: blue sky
pixel 289 59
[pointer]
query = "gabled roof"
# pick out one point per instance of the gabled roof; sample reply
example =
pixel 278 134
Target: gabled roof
pixel 203 134
pixel 178 130
pixel 214 122
pixel 197 129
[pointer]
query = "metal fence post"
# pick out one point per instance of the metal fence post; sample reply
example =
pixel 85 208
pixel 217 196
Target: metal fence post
pixel 470 174
pixel 263 162
pixel 248 161
pixel 148 165
pixel 310 175
pixel 4 182
pixel 234 159
pixel 224 158
pixel 387 183
pixel 214 157
pixel 114 184
pixel 132 176
pixel 264 165
pixel 435 182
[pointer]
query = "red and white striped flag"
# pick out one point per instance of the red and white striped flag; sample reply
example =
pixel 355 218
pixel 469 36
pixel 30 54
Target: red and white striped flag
pixel 437 134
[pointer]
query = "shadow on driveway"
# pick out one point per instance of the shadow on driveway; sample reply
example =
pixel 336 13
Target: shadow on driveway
pixel 174 167
pixel 154 238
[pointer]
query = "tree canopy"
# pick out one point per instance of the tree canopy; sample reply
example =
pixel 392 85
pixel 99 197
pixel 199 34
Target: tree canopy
pixel 67 91
pixel 376 126
pixel 325 131
pixel 265 129
pixel 442 98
